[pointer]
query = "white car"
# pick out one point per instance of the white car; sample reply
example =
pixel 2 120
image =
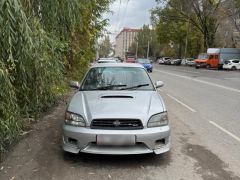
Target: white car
pixel 107 60
pixel 232 64
pixel 163 59
pixel 116 110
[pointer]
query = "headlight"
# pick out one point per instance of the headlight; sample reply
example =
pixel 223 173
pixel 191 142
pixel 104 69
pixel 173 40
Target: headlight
pixel 74 119
pixel 158 120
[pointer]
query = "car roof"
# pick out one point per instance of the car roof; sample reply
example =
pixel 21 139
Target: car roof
pixel 107 60
pixel 117 65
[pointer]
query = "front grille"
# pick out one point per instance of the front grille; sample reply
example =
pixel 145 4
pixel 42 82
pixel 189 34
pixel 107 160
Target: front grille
pixel 116 124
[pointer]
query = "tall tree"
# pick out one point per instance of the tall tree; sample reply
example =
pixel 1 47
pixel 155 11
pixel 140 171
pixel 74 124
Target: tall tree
pixel 146 38
pixel 199 13
pixel 105 47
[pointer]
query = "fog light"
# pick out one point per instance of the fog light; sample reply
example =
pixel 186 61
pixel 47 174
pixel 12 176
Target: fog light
pixel 159 143
pixel 72 141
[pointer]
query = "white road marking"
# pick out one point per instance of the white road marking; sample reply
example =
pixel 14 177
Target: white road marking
pixel 189 71
pixel 186 106
pixel 226 131
pixel 201 81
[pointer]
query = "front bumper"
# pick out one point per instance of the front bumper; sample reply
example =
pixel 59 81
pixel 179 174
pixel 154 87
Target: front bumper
pixel 201 65
pixel 227 66
pixel 147 140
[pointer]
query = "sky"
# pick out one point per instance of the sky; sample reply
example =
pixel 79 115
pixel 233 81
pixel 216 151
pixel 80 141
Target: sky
pixel 128 13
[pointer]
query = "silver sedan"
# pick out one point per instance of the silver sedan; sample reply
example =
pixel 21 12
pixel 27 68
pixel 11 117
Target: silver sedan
pixel 117 110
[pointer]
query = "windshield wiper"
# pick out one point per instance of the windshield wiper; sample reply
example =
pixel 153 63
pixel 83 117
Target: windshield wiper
pixel 133 87
pixel 111 86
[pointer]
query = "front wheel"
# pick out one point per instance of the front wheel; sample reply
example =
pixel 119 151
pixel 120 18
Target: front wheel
pixel 208 66
pixel 197 67
pixel 234 68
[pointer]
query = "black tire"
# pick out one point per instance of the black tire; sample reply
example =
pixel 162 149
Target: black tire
pixel 196 67
pixel 234 68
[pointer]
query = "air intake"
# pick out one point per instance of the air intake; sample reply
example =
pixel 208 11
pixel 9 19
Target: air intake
pixel 117 96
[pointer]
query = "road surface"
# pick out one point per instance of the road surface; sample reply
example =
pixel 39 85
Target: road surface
pixel 204 110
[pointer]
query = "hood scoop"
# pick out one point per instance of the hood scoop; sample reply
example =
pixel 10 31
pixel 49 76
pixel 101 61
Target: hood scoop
pixel 116 96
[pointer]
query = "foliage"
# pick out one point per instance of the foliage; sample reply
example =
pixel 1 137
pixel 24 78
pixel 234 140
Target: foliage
pixel 41 44
pixel 201 15
pixel 105 47
pixel 140 46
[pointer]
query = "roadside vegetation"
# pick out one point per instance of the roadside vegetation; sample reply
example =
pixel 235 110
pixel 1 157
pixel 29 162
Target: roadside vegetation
pixel 185 28
pixel 42 44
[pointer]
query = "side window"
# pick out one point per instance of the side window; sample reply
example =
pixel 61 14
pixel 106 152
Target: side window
pixel 235 61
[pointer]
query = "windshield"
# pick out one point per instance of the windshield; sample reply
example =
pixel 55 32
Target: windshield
pixel 117 78
pixel 146 61
pixel 202 56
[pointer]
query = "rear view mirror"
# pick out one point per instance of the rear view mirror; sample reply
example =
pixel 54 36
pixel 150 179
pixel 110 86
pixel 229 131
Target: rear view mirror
pixel 74 84
pixel 159 84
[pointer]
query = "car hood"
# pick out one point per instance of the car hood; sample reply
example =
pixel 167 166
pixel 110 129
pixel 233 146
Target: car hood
pixel 116 104
pixel 200 60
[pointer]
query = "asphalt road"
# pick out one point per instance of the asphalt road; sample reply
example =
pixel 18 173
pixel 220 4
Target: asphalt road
pixel 204 110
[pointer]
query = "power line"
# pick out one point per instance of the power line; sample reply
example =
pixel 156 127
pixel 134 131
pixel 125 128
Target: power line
pixel 124 15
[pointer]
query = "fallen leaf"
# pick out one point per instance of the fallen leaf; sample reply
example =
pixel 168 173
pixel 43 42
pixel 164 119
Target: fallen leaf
pixel 2 168
pixel 109 176
pixel 12 178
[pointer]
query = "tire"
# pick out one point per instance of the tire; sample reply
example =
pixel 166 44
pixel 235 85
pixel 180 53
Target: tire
pixel 234 68
pixel 196 67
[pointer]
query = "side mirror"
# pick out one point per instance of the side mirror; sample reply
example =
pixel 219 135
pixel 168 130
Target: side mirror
pixel 159 84
pixel 74 84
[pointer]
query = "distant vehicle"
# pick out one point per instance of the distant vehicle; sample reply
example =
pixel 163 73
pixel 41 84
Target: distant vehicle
pixel 160 61
pixel 232 64
pixel 201 60
pixel 107 60
pixel 163 59
pixel 167 61
pixel 146 64
pixel 176 62
pixel 117 110
pixel 130 59
pixel 190 62
pixel 217 56
pixel 184 61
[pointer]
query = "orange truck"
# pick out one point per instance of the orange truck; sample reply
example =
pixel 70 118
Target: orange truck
pixel 216 57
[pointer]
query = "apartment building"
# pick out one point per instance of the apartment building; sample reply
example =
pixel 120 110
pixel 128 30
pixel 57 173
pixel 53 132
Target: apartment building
pixel 124 41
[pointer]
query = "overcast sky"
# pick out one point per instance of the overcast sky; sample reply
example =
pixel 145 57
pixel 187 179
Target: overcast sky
pixel 128 13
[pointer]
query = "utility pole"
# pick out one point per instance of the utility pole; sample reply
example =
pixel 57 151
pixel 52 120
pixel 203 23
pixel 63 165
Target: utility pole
pixel 186 40
pixel 148 49
pixel 136 54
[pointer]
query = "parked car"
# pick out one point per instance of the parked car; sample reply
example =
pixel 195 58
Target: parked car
pixel 117 110
pixel 184 61
pixel 167 61
pixel 146 64
pixel 163 60
pixel 190 62
pixel 176 62
pixel 232 64
pixel 160 61
pixel 107 60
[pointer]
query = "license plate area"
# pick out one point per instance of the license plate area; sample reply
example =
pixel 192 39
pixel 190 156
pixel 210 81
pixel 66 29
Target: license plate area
pixel 116 140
